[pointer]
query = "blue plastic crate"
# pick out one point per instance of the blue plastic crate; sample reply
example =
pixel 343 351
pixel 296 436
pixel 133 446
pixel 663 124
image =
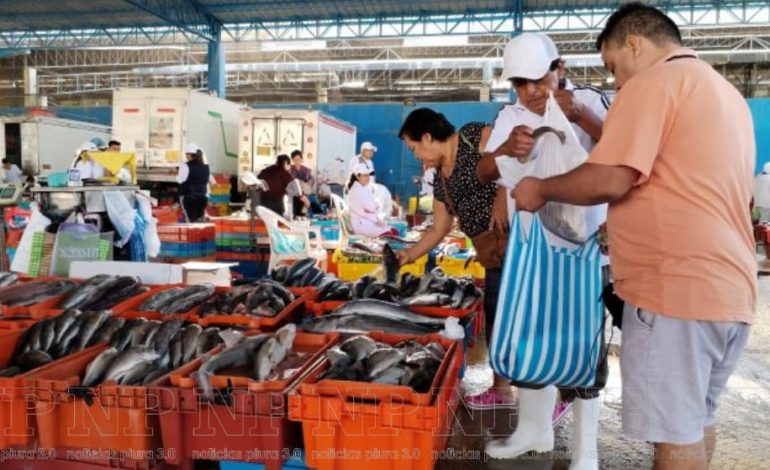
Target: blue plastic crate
pixel 296 463
pixel 401 226
pixel 251 269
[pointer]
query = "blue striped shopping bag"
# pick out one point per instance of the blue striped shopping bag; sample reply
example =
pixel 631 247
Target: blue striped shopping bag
pixel 549 319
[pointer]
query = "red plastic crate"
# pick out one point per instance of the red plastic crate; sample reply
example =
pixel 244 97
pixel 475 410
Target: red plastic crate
pixel 340 433
pixel 253 424
pixel 179 233
pixel 291 313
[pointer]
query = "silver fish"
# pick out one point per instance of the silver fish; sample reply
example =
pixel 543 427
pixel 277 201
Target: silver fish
pixel 382 359
pixel 97 368
pixel 129 361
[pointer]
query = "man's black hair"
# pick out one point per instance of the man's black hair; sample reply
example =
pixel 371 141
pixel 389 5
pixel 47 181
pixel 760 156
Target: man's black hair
pixel 640 20
pixel 295 153
pixel 6 161
pixel 113 142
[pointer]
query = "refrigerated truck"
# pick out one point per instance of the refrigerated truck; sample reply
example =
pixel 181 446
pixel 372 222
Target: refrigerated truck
pixel 41 145
pixel 325 141
pixel 157 124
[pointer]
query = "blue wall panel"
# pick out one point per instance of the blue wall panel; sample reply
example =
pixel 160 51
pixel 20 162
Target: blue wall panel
pixel 760 110
pixel 379 123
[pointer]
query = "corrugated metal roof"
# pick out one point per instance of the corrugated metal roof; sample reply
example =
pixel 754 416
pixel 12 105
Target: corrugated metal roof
pixel 37 15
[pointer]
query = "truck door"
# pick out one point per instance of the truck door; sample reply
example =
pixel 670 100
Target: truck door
pixel 291 135
pixel 165 131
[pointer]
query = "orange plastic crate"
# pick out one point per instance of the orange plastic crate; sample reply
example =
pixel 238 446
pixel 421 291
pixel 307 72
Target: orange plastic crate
pixel 292 312
pixel 14 429
pixel 255 415
pixel 340 433
pixel 179 233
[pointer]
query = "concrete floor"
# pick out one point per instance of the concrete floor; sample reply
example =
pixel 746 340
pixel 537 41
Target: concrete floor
pixel 744 417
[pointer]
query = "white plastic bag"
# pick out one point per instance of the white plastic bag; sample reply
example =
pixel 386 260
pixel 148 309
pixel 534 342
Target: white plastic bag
pixel 151 238
pixel 121 214
pixel 37 223
pixel 554 158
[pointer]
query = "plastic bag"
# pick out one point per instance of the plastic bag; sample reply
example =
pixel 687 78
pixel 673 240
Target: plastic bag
pixel 37 223
pixel 151 238
pixel 121 214
pixel 452 329
pixel 554 158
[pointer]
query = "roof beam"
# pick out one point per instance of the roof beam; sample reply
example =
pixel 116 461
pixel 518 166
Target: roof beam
pixel 187 15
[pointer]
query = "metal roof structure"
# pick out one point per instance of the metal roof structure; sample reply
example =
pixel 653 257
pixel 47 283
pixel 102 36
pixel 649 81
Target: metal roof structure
pixel 271 49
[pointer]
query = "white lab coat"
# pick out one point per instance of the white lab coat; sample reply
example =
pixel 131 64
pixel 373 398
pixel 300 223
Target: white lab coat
pixel 90 169
pixel 384 200
pixel 13 175
pixel 365 212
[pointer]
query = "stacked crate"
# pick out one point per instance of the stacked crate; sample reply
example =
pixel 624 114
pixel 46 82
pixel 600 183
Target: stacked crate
pixel 219 199
pixel 234 245
pixel 180 243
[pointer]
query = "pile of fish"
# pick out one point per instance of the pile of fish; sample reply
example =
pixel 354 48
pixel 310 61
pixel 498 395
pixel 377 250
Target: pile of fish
pixel 30 293
pixel 264 298
pixel 361 359
pixel 59 336
pixel 102 292
pixel 433 289
pixel 144 350
pixel 7 279
pixel 303 273
pixel 177 299
pixel 261 354
pixel 367 315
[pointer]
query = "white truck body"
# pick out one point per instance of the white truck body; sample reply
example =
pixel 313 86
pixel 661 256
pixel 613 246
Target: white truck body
pixel 158 123
pixel 322 138
pixel 43 144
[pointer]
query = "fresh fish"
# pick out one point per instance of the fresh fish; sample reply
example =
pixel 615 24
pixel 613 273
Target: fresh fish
pixel 358 347
pixel 105 289
pixel 129 361
pixel 91 322
pixel 338 358
pixel 390 376
pixel 383 309
pixel 121 339
pixel 361 285
pixel 30 297
pixel 68 339
pixel 162 298
pixel 410 347
pixel 239 355
pixel 382 359
pixel 468 301
pixel 280 273
pixel 437 350
pixel 298 269
pixel 8 279
pixel 47 334
pixel 64 321
pixel 32 342
pixel 164 334
pixel 176 352
pixel 155 375
pixel 85 291
pixel 140 372
pixel 363 323
pixel 139 332
pixel 194 296
pixel 279 290
pixel 190 342
pixel 107 330
pixel 32 359
pixel 123 288
pixel 438 300
pixel 390 264
pixel 423 359
pixel 270 354
pixel 207 340
pixel 98 367
pixel 286 336
pixel 11 371
pixel 149 339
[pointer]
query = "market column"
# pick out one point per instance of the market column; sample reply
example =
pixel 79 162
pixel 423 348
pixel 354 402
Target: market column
pixel 216 62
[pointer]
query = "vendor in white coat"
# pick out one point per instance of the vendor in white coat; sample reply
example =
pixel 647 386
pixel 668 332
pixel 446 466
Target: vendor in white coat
pixel 366 214
pixel 89 169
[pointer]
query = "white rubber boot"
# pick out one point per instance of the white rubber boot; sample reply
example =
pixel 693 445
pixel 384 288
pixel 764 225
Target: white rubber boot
pixel 534 431
pixel 585 455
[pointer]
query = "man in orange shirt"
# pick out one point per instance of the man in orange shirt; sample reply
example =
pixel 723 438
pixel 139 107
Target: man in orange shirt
pixel 675 162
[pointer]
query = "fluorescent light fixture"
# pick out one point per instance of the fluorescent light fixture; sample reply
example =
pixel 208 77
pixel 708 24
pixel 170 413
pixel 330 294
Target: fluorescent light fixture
pixel 354 84
pixel 278 46
pixel 610 80
pixel 436 41
pixel 498 84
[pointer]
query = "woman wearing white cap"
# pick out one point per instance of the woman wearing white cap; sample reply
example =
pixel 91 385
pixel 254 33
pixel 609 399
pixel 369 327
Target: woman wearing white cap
pixel 366 214
pixel 364 158
pixel 89 169
pixel 193 178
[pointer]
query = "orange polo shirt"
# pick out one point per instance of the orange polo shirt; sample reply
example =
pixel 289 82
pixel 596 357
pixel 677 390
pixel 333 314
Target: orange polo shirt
pixel 681 241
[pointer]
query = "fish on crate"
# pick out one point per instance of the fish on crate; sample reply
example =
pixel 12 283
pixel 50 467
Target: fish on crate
pixel 31 293
pixel 259 357
pixel 264 298
pixel 102 292
pixel 177 299
pixel 144 350
pixel 408 363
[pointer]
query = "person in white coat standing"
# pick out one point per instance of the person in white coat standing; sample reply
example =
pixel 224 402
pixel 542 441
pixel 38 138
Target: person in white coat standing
pixel 366 215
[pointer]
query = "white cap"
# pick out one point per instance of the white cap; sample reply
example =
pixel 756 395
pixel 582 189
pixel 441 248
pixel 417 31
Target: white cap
pixel 368 146
pixel 362 169
pixel 87 147
pixel 529 56
pixel 192 148
pixel 766 168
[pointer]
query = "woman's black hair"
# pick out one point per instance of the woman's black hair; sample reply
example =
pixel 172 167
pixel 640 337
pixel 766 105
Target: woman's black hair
pixel 426 121
pixel 282 160
pixel 198 156
pixel 353 179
